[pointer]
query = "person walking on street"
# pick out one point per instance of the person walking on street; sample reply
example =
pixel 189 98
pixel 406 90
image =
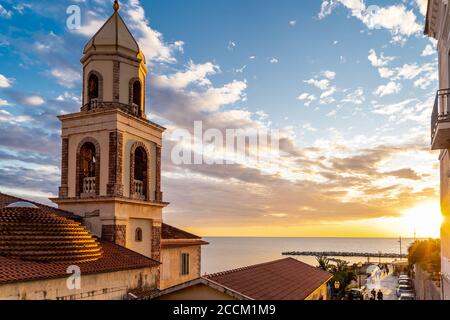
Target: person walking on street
pixel 374 294
pixel 380 295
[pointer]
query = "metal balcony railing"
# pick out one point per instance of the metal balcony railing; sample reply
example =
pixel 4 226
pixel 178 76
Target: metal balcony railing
pixel 441 110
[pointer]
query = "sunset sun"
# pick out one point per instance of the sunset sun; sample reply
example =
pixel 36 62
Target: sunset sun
pixel 425 219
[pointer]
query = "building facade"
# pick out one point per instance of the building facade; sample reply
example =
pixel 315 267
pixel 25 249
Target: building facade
pixel 110 193
pixel 437 26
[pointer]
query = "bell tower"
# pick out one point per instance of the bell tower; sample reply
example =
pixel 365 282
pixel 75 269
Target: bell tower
pixel 111 153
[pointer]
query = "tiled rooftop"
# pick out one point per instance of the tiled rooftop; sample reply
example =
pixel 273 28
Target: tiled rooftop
pixel 35 235
pixel 175 238
pixel 115 258
pixel 169 232
pixel 41 242
pixel 286 279
pixel 6 199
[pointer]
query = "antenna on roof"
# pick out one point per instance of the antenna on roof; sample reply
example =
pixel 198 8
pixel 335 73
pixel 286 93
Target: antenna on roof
pixel 116 5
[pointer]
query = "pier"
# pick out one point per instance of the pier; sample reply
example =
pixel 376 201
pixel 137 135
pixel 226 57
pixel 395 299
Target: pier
pixel 345 254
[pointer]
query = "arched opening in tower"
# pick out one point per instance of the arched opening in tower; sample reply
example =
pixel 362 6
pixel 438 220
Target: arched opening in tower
pixel 137 97
pixel 88 163
pixel 140 173
pixel 93 89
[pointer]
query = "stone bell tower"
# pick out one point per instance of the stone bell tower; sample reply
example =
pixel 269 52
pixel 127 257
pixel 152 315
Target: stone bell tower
pixel 111 154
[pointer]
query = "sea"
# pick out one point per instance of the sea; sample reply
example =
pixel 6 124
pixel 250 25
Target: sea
pixel 225 253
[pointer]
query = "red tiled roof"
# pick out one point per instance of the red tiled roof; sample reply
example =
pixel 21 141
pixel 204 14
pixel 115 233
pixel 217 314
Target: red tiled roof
pixel 286 279
pixel 169 232
pixel 172 237
pixel 35 235
pixel 29 236
pixel 6 199
pixel 115 258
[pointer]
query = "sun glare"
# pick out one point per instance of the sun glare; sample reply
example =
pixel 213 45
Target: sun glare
pixel 426 219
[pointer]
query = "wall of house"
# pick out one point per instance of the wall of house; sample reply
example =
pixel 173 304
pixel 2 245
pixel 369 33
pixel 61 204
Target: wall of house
pixel 171 265
pixel 320 294
pixel 144 247
pixel 197 292
pixel 103 286
pixel 424 287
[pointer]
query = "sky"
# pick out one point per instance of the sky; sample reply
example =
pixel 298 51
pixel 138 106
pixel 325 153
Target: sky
pixel 349 85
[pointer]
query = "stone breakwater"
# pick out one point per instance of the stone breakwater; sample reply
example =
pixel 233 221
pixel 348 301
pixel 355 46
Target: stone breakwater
pixel 344 254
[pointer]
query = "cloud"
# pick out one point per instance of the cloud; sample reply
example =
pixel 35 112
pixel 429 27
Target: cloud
pixel 231 45
pixel 274 60
pixel 355 97
pixel 388 89
pixel 307 97
pixel 422 4
pixel 293 23
pixel 4 103
pixel 33 101
pixel 195 74
pixel 378 61
pixel 397 19
pixel 322 81
pixel 428 51
pixel 67 77
pixel 150 41
pixel 4 82
pixel 5 13
pixel 7 117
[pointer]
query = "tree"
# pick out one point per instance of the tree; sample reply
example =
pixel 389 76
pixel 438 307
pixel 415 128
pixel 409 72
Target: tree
pixel 426 253
pixel 324 263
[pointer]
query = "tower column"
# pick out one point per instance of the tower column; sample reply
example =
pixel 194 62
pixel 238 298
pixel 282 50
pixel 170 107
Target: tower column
pixel 158 193
pixel 115 185
pixel 64 188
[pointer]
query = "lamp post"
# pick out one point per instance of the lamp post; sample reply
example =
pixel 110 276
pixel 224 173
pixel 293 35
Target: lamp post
pixel 359 274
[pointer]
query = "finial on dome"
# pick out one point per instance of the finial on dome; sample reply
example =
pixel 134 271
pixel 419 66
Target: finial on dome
pixel 116 5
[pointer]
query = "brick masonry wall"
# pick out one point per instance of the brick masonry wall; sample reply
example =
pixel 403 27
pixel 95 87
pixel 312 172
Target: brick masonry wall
pixel 115 185
pixel 115 233
pixel 158 194
pixel 116 81
pixel 156 242
pixel 64 188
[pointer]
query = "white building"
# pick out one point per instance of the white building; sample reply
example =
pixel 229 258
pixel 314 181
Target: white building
pixel 437 26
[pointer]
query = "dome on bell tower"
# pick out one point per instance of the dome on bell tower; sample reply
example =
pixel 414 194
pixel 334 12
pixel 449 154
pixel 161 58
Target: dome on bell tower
pixel 114 69
pixel 114 35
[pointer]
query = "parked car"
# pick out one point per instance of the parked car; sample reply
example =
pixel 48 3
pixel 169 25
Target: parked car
pixel 354 294
pixel 407 282
pixel 404 289
pixel 407 296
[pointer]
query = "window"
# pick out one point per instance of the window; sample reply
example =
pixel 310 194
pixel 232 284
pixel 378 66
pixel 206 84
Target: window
pixel 93 84
pixel 88 160
pixel 140 173
pixel 88 172
pixel 137 93
pixel 185 264
pixel 138 235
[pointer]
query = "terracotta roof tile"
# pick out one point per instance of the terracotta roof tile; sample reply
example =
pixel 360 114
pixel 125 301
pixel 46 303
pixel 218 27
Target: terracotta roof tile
pixel 36 235
pixel 169 232
pixel 286 279
pixel 115 258
pixel 6 199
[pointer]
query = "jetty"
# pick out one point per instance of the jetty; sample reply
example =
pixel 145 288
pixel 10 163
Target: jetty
pixel 345 254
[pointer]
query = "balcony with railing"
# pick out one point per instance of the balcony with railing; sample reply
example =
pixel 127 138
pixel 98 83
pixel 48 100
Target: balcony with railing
pixel 89 186
pixel 96 105
pixel 440 121
pixel 139 190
